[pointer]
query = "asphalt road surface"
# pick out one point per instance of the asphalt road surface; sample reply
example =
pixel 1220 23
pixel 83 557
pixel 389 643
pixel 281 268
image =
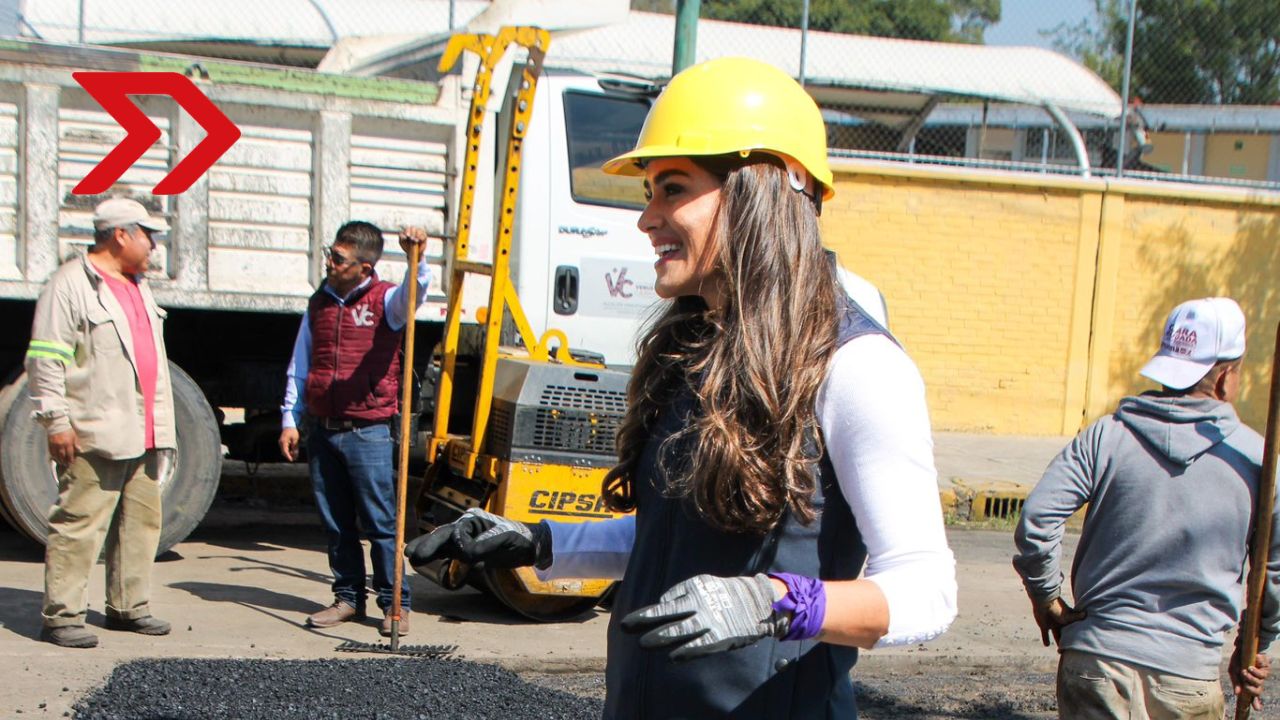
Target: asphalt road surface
pixel 241 586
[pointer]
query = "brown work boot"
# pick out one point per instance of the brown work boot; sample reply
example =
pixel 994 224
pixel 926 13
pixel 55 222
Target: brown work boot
pixel 145 625
pixel 69 636
pixel 385 630
pixel 336 614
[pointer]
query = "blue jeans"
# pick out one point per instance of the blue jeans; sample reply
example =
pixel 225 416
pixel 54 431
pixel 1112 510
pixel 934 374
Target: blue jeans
pixel 354 481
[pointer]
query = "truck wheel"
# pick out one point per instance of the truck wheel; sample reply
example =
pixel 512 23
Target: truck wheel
pixel 28 487
pixel 8 394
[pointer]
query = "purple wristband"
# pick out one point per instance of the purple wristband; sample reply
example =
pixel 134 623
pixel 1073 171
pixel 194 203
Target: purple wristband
pixel 806 600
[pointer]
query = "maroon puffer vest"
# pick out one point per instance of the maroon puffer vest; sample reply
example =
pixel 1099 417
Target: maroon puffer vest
pixel 355 356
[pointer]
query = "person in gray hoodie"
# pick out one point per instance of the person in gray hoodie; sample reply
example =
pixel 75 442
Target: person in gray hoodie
pixel 1158 577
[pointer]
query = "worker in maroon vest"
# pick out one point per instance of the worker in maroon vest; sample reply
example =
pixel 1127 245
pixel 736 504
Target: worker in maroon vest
pixel 344 379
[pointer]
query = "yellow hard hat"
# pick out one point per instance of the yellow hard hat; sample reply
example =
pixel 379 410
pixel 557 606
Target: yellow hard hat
pixel 732 105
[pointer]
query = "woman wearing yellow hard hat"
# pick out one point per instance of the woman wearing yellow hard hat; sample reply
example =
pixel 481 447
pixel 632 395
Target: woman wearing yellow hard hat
pixel 776 440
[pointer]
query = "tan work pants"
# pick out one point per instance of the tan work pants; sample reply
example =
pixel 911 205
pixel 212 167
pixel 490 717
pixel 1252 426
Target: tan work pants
pixel 1092 687
pixel 115 500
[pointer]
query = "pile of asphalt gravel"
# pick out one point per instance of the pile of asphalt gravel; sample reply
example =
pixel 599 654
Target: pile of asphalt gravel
pixel 940 693
pixel 314 689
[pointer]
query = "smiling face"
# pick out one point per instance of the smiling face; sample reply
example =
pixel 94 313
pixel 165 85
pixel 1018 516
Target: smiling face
pixel 683 199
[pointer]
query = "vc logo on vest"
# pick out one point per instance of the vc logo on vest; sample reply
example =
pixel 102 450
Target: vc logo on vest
pixel 362 316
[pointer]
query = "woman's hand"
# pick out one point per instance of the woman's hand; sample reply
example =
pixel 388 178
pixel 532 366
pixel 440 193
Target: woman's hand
pixel 707 614
pixel 479 536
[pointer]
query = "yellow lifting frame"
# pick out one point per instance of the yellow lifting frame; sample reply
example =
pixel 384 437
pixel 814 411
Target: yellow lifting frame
pixel 502 294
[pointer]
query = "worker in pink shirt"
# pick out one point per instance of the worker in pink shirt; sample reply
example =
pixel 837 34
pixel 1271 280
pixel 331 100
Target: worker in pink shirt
pixel 99 379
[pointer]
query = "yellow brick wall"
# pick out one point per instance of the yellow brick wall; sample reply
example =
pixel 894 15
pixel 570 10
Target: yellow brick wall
pixel 1028 303
pixel 1174 249
pixel 978 279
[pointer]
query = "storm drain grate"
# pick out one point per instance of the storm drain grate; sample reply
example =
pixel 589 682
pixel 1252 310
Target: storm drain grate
pixel 1005 508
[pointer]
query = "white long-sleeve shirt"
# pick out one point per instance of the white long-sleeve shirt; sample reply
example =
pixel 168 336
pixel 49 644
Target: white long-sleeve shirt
pixel 875 424
pixel 395 312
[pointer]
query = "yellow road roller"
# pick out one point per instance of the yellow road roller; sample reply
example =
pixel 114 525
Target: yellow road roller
pixel 544 422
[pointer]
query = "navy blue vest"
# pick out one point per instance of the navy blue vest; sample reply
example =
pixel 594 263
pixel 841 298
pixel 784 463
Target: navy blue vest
pixel 770 679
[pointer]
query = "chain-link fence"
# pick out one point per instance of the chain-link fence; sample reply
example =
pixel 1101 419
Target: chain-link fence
pixel 1203 78
pixel 1203 82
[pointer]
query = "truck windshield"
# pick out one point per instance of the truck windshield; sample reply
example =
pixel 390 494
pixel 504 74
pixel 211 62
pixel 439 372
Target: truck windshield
pixel 600 127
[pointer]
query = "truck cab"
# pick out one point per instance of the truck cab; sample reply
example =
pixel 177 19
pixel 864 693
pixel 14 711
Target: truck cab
pixel 583 266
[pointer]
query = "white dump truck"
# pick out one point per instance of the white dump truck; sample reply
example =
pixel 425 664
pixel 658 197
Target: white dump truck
pixel 245 251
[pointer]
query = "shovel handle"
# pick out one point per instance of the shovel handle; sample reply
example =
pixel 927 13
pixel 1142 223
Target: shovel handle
pixel 406 408
pixel 1258 555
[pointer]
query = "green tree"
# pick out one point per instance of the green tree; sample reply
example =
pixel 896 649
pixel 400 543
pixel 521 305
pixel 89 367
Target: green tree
pixel 1088 42
pixel 1185 51
pixel 658 6
pixel 951 20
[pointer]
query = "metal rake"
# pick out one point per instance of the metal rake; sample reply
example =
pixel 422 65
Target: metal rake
pixel 422 651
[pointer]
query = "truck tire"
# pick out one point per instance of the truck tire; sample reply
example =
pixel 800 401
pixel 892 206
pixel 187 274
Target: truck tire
pixel 28 488
pixel 8 394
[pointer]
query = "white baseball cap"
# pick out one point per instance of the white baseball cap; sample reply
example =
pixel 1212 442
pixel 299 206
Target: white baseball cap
pixel 119 212
pixel 1198 335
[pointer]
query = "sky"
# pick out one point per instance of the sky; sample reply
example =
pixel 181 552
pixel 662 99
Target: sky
pixel 1021 20
pixel 8 17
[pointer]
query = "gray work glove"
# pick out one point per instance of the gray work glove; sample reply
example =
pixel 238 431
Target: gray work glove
pixel 707 614
pixel 480 536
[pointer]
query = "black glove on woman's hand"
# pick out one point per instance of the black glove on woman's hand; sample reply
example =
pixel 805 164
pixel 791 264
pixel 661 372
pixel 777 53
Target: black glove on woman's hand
pixel 482 537
pixel 707 614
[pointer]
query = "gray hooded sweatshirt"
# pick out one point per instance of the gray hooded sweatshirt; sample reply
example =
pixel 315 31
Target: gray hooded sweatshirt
pixel 1160 569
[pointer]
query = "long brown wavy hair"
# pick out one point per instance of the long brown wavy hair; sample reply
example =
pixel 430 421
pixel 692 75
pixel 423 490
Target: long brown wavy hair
pixel 755 365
